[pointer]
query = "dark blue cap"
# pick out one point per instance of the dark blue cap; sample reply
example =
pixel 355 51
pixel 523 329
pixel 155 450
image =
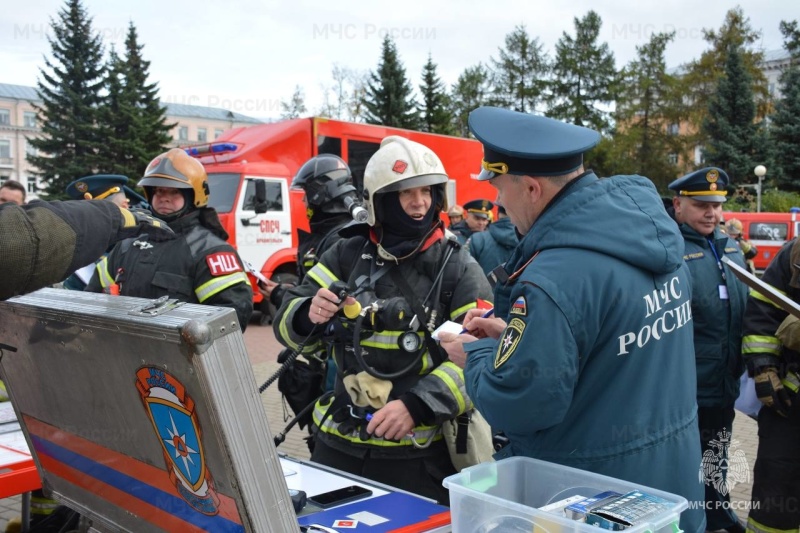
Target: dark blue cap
pixel 705 185
pixel 528 145
pixel 479 208
pixel 96 187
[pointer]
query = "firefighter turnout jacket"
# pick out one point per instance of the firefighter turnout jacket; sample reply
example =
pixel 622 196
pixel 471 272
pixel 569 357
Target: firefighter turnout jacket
pixel 198 266
pixel 44 242
pixel 433 381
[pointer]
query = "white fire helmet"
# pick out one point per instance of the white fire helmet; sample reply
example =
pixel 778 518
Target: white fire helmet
pixel 400 164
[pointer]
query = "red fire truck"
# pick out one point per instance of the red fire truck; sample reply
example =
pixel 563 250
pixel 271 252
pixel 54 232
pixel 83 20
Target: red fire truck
pixel 250 171
pixel 767 231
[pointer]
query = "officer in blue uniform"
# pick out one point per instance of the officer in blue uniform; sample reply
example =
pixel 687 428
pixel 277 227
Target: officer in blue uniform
pixel 589 361
pixel 492 247
pixel 718 305
pixel 106 187
pixel 477 216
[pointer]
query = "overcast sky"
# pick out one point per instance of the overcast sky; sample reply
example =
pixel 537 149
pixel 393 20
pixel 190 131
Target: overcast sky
pixel 247 56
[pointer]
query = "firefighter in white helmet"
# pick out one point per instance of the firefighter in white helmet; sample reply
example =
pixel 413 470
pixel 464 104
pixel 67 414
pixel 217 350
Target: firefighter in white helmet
pixel 198 266
pixel 394 387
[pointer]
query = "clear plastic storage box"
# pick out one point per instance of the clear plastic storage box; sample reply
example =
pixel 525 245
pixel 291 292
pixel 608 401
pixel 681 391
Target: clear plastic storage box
pixel 506 496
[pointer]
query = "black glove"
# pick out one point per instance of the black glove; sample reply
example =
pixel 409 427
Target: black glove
pixel 770 390
pixel 140 222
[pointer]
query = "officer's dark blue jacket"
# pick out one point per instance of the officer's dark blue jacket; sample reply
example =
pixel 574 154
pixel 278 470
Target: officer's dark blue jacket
pixel 493 246
pixel 717 322
pixel 596 368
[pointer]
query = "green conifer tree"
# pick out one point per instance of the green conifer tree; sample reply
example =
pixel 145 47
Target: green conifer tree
pixel 736 143
pixel 435 112
pixel 519 76
pixel 470 91
pixel 124 150
pixel 583 76
pixel 154 128
pixel 70 87
pixel 133 113
pixel 700 79
pixel 785 127
pixel 389 96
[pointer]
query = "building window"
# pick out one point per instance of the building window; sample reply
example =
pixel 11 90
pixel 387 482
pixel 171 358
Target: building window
pixel 183 133
pixel 218 132
pixel 30 119
pixel 5 117
pixel 201 135
pixel 698 155
pixel 673 129
pixel 30 150
pixel 673 159
pixel 32 188
pixel 5 151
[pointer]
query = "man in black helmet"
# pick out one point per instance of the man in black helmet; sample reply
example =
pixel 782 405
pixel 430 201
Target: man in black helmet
pixel 327 182
pixel 198 266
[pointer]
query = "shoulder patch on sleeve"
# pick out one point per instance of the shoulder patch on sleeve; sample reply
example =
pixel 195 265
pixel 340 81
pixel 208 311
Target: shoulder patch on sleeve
pixel 519 307
pixel 223 263
pixel 509 341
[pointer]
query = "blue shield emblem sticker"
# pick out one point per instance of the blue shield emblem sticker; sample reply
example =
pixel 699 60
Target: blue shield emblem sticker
pixel 172 412
pixel 179 439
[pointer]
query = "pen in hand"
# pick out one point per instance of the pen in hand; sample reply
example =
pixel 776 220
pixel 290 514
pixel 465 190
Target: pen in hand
pixel 487 314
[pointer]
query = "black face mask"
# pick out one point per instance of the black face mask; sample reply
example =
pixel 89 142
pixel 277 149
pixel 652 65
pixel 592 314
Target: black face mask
pixel 188 206
pixel 399 233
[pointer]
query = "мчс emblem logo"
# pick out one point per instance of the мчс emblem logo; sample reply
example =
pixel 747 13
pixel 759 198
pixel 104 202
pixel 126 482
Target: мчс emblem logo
pixel 172 412
pixel 724 466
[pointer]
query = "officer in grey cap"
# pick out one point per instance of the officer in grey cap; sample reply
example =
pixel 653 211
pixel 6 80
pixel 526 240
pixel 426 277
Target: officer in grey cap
pixel 718 304
pixel 592 322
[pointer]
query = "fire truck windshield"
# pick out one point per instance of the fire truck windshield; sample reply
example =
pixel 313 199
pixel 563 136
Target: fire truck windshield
pixel 222 191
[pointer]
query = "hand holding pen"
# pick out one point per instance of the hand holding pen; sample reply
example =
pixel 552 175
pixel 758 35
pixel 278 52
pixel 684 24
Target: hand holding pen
pixel 487 314
pixel 481 324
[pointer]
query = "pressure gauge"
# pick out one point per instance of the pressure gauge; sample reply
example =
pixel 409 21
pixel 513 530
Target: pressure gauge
pixel 410 341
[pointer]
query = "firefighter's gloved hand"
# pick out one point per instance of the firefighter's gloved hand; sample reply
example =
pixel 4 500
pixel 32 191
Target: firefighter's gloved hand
pixel 770 390
pixel 138 222
pixel 789 333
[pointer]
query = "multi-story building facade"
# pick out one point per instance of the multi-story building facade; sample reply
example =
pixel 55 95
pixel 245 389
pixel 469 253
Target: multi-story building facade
pixel 18 122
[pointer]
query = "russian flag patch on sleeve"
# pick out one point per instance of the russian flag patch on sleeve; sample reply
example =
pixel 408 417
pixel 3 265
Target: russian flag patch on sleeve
pixel 519 307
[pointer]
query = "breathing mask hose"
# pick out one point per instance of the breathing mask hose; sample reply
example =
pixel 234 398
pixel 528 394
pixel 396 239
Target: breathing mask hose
pixel 341 291
pixel 286 364
pixel 357 352
pixel 280 437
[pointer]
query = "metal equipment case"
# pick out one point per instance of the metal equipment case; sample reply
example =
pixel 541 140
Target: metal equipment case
pixel 143 415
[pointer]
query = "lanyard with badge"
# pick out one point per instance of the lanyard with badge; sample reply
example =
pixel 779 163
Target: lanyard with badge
pixel 723 288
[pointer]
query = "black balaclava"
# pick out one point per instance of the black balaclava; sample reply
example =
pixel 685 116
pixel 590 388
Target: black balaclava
pixel 399 234
pixel 188 205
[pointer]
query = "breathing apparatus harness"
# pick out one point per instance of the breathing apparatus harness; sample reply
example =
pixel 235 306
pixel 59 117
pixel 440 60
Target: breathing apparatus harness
pixel 396 314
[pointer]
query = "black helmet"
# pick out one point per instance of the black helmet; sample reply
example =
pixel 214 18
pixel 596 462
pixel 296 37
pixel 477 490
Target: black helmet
pixel 326 179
